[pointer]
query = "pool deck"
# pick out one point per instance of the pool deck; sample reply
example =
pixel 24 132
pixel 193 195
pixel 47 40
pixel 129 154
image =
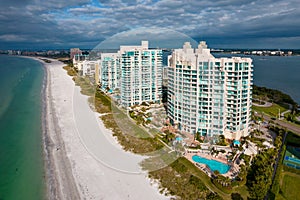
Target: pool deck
pixel 233 171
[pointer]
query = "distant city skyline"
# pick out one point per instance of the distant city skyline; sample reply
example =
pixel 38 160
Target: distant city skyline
pixel 54 24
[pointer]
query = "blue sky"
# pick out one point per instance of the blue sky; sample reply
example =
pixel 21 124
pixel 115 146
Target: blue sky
pixel 56 24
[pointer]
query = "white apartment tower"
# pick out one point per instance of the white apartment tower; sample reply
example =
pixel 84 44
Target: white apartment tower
pixel 141 74
pixel 209 95
pixel 110 71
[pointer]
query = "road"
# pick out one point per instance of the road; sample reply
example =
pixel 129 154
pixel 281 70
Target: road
pixel 292 127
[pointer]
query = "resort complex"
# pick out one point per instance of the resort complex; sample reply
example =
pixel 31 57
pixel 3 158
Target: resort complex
pixel 196 104
pixel 150 100
pixel 206 95
pixel 209 95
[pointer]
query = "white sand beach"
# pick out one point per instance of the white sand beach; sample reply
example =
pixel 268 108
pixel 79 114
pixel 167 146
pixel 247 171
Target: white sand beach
pixel 83 159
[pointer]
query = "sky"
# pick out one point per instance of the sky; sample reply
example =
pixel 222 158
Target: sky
pixel 58 24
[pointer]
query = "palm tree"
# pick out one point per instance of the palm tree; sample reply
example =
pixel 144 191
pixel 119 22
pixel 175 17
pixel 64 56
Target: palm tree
pixel 216 173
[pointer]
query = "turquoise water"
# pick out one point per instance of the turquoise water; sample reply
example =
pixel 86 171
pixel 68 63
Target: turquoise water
pixel 21 158
pixel 212 164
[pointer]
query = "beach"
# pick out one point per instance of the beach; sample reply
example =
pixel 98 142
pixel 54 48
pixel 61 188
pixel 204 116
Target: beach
pixel 82 159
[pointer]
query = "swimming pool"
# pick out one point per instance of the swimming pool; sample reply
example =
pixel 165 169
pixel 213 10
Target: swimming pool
pixel 212 164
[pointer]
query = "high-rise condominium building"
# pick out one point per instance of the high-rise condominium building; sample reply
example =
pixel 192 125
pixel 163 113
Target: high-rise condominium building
pixel 209 95
pixel 136 71
pixel 141 74
pixel 110 71
pixel 75 51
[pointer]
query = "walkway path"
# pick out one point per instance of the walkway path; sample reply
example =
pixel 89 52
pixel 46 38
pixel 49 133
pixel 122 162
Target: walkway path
pixel 266 104
pixel 283 113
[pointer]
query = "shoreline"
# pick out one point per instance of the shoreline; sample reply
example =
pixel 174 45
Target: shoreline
pixel 58 163
pixel 56 166
pixel 74 148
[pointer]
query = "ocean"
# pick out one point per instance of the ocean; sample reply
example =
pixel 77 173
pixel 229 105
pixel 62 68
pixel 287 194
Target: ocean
pixel 276 72
pixel 21 152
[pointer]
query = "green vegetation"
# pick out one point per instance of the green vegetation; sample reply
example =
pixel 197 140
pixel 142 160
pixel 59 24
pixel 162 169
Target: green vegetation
pixel 257 141
pixel 291 169
pixel 283 101
pixel 259 178
pixel 102 103
pixel 184 168
pixel 276 183
pixel 132 137
pixel 222 141
pixel 86 87
pixel 272 95
pixel 70 70
pixel 183 179
pixel 140 116
pixel 46 60
pixel 242 176
pixel 272 111
pixel 290 186
pixel 66 61
pixel 198 137
pixel 167 136
pixel 292 118
pixel 236 196
pixel 287 179
pixel 222 182
pixel 292 139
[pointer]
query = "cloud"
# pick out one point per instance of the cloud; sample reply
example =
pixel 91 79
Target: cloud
pixel 12 37
pixel 157 37
pixel 85 23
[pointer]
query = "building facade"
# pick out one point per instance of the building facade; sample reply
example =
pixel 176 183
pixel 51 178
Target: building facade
pixel 110 71
pixel 209 95
pixel 74 51
pixel 78 61
pixel 141 74
pixel 91 68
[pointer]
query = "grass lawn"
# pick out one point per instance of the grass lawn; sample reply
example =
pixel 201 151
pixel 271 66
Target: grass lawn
pixel 131 127
pixel 70 70
pixel 273 110
pixel 290 186
pixel 242 190
pixel 184 178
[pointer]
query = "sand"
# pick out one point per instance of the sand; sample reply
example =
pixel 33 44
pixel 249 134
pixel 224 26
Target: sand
pixel 82 159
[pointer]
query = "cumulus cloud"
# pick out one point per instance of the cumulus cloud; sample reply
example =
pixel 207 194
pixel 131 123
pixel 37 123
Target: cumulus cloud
pixel 85 23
